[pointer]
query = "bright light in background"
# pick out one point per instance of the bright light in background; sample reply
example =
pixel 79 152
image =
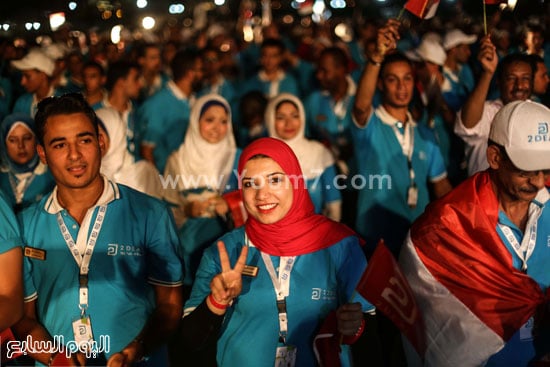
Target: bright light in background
pixel 115 34
pixel 512 4
pixel 5 26
pixel 248 33
pixel 28 26
pixel 141 3
pixel 36 25
pixel 381 1
pixel 176 8
pixel 219 2
pixel 72 5
pixel 148 23
pixel 338 4
pixel 318 7
pixel 57 20
pixel 344 31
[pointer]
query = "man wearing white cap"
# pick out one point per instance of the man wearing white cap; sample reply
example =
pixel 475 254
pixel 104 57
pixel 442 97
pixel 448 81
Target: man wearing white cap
pixel 459 78
pixel 37 71
pixel 477 260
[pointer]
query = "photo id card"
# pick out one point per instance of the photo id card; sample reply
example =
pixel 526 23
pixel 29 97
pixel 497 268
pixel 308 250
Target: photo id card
pixel 526 331
pixel 412 196
pixel 285 356
pixel 82 329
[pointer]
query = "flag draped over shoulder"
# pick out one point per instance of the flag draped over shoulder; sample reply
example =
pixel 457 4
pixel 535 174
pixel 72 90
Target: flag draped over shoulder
pixel 424 9
pixel 471 297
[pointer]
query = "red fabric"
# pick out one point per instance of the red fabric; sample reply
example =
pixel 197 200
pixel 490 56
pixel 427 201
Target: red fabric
pixel 384 285
pixel 234 200
pixel 494 2
pixel 423 9
pixel 61 359
pixel 327 342
pixel 457 241
pixel 6 336
pixel 301 231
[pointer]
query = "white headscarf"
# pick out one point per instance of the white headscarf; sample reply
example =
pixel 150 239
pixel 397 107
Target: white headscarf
pixel 202 163
pixel 313 156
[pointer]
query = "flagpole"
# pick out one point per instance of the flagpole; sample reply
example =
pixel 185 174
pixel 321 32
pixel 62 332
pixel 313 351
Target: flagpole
pixel 401 12
pixel 484 17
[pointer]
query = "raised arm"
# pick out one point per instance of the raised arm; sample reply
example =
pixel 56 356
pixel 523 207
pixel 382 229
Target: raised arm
pixel 386 42
pixel 473 108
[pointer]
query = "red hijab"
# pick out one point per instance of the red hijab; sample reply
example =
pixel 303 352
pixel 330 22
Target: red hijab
pixel 301 231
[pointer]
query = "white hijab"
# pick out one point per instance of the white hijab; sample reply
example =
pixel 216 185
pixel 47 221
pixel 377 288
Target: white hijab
pixel 313 156
pixel 203 164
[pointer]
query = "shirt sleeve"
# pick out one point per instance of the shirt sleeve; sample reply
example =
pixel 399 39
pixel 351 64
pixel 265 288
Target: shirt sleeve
pixel 164 266
pixel 10 235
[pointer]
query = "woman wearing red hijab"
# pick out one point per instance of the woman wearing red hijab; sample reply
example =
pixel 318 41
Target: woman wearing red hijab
pixel 261 293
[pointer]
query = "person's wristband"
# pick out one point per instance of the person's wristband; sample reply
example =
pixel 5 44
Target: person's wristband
pixel 350 339
pixel 216 304
pixel 373 62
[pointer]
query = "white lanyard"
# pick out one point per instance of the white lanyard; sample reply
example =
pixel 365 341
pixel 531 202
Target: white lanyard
pixel 406 140
pixel 525 249
pixel 281 285
pixel 83 260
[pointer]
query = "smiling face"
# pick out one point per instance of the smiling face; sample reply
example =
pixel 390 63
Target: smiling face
pixel 213 124
pixel 512 183
pixel 516 83
pixel 396 84
pixel 21 145
pixel 72 150
pixel 267 190
pixel 287 120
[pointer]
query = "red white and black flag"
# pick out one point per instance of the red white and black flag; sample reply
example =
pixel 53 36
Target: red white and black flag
pixel 424 9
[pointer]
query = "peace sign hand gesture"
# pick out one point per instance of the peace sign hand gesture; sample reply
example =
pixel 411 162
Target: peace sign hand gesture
pixel 227 285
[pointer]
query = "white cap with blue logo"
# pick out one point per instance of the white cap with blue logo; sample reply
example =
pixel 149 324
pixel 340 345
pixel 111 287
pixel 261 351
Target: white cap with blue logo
pixel 522 128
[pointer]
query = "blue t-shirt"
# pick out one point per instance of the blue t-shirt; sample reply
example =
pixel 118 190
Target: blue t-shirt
pixel 521 349
pixel 324 125
pixel 323 189
pixel 319 282
pixel 135 250
pixel 9 229
pixel 287 85
pixel 383 179
pixel 42 183
pixel 164 119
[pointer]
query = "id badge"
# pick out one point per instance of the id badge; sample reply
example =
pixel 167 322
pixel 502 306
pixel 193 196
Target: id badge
pixel 82 330
pixel 285 356
pixel 526 331
pixel 412 196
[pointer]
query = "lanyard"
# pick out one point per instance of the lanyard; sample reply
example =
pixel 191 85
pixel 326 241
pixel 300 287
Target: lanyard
pixel 281 285
pixel 406 140
pixel 82 260
pixel 525 249
pixel 20 187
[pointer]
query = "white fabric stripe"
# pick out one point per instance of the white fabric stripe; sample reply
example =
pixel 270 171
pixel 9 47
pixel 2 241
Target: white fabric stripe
pixel 454 335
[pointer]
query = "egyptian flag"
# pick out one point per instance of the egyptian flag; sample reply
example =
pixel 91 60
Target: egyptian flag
pixel 424 9
pixel 471 298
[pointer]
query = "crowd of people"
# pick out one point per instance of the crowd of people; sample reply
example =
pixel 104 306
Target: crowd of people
pixel 222 205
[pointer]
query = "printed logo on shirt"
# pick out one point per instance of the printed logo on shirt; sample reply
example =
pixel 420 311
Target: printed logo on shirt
pixel 114 249
pixel 422 155
pixel 548 241
pixel 318 294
